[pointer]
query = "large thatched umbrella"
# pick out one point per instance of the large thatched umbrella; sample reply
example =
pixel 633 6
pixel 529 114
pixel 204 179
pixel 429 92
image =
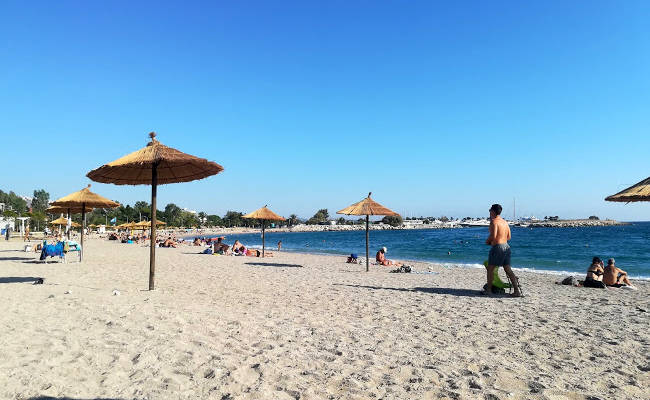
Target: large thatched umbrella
pixel 153 165
pixel 84 199
pixel 264 214
pixel 367 207
pixel 638 192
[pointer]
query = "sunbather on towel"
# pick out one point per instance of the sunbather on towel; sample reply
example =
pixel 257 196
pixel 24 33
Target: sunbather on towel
pixel 381 258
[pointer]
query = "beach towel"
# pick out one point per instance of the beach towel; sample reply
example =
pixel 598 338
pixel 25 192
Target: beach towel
pixel 51 250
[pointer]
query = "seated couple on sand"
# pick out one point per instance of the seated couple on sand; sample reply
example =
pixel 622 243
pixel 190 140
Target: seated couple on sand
pixel 599 276
pixel 169 242
pixel 382 260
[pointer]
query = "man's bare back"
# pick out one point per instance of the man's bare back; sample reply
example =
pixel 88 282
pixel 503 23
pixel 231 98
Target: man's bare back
pixel 499 231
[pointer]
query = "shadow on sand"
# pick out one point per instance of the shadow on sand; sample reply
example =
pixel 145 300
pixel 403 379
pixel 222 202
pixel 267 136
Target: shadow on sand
pixel 73 398
pixel 279 265
pixel 431 290
pixel 17 279
pixel 15 258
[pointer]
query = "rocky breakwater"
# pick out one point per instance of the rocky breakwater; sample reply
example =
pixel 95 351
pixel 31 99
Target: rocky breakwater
pixel 574 223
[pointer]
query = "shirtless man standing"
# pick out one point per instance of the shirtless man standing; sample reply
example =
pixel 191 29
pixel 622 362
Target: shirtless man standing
pixel 500 251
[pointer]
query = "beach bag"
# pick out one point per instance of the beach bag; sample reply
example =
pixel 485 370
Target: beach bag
pixel 207 251
pixel 571 281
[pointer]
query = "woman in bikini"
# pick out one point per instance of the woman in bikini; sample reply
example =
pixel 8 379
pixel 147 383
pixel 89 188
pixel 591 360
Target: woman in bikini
pixel 595 274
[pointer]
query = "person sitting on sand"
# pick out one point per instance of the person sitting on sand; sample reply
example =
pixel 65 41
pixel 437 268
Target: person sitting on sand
pixel 595 274
pixel 196 242
pixel 240 251
pixel 614 276
pixel 220 247
pixel 169 243
pixel 382 260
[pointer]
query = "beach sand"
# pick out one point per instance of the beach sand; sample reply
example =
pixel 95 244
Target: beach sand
pixel 300 326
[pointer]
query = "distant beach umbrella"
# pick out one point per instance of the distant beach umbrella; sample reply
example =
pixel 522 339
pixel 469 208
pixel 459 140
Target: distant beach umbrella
pixel 263 214
pixel 153 165
pixel 638 192
pixel 367 207
pixel 85 200
pixel 147 224
pixel 64 221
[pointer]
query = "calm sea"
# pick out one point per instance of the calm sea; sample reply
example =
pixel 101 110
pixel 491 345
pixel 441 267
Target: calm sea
pixel 559 250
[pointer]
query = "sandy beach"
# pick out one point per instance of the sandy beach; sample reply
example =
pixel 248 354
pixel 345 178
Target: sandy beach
pixel 299 326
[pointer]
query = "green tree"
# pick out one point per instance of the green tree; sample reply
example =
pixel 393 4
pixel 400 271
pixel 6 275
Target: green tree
pixel 321 216
pixel 340 221
pixel 172 214
pixel 214 220
pixel 392 220
pixel 232 218
pixel 143 209
pixel 40 201
pixel 203 218
pixel 292 220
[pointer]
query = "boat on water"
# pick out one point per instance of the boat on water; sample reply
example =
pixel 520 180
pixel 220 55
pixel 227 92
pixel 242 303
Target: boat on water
pixel 475 223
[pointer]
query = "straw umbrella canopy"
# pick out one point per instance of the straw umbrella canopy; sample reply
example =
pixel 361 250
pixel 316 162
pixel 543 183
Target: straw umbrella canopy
pixel 147 224
pixel 638 192
pixel 153 165
pixel 84 199
pixel 263 214
pixel 63 210
pixel 367 207
pixel 60 221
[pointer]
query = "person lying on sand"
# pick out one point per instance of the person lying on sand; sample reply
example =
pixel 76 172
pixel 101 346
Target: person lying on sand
pixel 381 258
pixel 614 276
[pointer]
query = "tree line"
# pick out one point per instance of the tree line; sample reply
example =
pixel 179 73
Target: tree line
pixel 172 215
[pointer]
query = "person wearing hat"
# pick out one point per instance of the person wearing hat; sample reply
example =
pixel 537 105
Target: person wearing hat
pixel 500 251
pixel 615 276
pixel 382 260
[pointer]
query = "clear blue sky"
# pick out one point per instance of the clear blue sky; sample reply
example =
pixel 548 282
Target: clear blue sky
pixel 437 108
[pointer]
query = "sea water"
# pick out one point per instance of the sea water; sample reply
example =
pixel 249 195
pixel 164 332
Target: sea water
pixel 554 250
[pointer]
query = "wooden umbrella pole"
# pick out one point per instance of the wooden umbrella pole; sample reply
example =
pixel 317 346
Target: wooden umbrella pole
pixel 263 226
pixel 83 227
pixel 367 237
pixel 152 247
pixel 70 224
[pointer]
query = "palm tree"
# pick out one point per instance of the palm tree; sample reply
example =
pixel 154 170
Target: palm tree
pixel 293 220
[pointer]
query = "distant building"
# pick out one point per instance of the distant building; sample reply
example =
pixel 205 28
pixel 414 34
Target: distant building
pixel 413 222
pixel 2 207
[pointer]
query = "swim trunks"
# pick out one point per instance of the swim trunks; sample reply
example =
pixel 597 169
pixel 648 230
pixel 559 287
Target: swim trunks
pixel 499 255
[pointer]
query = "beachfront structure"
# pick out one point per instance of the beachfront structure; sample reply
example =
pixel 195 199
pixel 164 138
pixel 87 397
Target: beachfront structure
pixel 412 223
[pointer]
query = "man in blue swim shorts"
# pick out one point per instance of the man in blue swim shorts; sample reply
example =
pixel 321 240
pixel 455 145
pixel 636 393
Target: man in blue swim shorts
pixel 500 251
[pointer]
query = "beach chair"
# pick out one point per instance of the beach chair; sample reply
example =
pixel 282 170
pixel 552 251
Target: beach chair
pixel 70 247
pixel 51 250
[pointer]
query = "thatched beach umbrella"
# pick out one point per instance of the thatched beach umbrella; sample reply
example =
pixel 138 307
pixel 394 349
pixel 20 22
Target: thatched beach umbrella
pixel 64 221
pixel 263 214
pixel 147 224
pixel 66 210
pixel 638 192
pixel 84 199
pixel 153 165
pixel 367 207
